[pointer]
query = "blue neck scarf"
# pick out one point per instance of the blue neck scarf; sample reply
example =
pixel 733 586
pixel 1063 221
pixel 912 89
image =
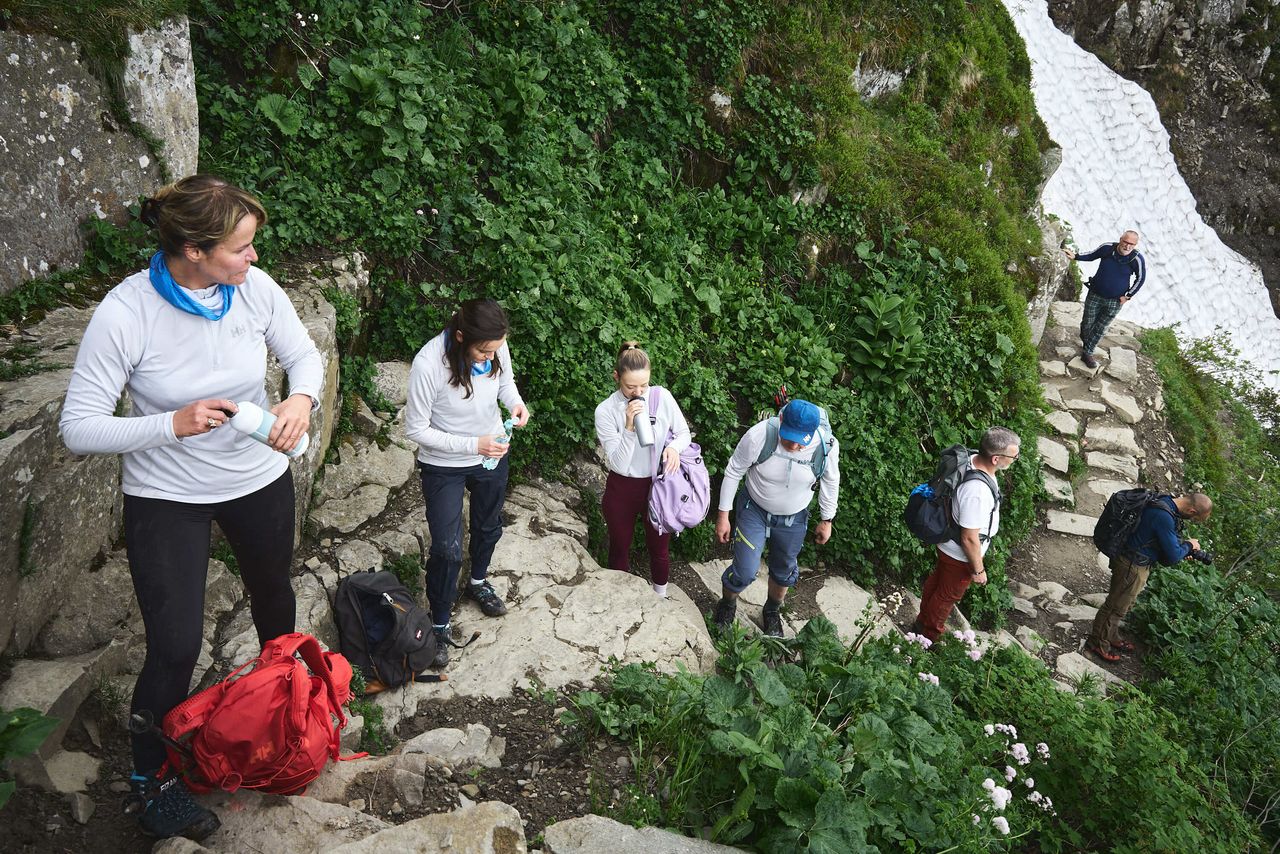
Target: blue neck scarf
pixel 177 296
pixel 478 370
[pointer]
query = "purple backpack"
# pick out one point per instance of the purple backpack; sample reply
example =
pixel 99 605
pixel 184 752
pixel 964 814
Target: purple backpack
pixel 679 500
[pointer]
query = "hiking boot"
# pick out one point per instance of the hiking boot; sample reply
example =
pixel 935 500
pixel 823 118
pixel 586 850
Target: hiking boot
pixel 726 610
pixel 771 618
pixel 1089 361
pixel 487 598
pixel 442 647
pixel 165 808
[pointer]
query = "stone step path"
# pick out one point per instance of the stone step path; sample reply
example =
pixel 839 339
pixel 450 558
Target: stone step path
pixel 1093 427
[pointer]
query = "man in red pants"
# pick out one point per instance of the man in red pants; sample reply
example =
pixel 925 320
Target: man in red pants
pixel 976 510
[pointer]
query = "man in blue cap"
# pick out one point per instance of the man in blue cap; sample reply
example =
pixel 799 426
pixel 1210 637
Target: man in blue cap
pixel 784 459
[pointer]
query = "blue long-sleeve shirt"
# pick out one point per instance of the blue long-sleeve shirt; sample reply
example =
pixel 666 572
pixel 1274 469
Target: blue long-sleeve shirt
pixel 1156 537
pixel 1118 275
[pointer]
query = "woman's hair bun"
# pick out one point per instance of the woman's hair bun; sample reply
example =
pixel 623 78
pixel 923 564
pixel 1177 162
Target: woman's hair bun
pixel 150 213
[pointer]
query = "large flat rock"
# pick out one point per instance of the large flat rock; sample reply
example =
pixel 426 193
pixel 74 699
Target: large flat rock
pixel 1126 467
pixel 1054 454
pixel 275 824
pixel 1071 523
pixel 486 828
pixel 1125 406
pixel 1063 422
pixel 1059 489
pixel 852 610
pixel 594 834
pixel 1071 666
pixel 1123 365
pixel 1118 440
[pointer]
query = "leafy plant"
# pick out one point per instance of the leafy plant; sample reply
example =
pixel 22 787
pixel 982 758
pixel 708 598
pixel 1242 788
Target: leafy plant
pixel 22 731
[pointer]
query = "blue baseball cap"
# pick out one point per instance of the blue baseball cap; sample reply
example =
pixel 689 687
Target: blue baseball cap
pixel 799 421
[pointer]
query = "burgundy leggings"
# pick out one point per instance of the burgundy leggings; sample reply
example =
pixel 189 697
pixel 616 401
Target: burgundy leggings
pixel 625 498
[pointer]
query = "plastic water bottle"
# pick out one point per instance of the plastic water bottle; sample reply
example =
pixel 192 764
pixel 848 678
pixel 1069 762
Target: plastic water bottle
pixel 491 463
pixel 256 423
pixel 644 428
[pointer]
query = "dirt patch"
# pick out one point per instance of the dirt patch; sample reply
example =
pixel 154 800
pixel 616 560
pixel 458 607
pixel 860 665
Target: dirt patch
pixel 550 771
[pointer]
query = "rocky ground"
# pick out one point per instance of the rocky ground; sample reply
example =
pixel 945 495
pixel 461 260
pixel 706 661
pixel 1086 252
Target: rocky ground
pixel 484 758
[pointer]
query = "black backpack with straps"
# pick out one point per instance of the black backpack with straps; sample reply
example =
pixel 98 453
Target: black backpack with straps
pixel 384 631
pixel 930 514
pixel 1120 517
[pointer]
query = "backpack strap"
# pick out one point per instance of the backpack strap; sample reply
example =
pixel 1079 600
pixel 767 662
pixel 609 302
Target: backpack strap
pixel 772 425
pixel 817 463
pixel 979 474
pixel 309 648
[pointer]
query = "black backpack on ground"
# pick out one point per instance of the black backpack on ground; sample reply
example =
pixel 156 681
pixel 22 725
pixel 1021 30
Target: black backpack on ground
pixel 929 508
pixel 1120 518
pixel 384 631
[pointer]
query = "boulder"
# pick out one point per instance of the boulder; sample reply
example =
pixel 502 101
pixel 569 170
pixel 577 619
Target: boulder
pixel 1126 467
pixel 1059 489
pixel 1125 406
pixel 1054 454
pixel 1052 394
pixel 1030 639
pixel 1063 422
pixel 1072 666
pixel 362 462
pixel 57 688
pixel 1085 405
pixel 275 824
pixel 391 379
pixel 1071 523
pixel 476 746
pixel 1123 365
pixel 314 610
pixel 66 771
pixel 1022 606
pixel 1067 314
pixel 1077 613
pixel 66 155
pixel 591 834
pixel 345 515
pixel 1078 367
pixel 487 828
pixel 357 556
pixel 332 784
pixel 1094 599
pixel 1115 439
pixel 846 605
pixel 1053 369
pixel 1053 591
pixel 97 606
pixel 160 92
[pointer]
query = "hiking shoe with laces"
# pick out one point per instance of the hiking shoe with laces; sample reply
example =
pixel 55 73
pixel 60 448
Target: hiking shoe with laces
pixel 772 620
pixel 726 610
pixel 1089 361
pixel 165 808
pixel 487 598
pixel 442 647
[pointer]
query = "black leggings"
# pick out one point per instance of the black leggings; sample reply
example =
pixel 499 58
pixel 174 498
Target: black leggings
pixel 168 545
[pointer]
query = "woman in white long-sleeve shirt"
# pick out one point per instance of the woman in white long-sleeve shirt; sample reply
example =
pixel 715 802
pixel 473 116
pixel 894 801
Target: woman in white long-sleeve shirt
pixel 632 465
pixel 187 339
pixel 455 384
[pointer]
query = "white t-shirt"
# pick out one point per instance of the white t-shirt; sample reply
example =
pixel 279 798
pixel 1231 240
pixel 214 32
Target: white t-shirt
pixel 445 423
pixel 782 484
pixel 973 508
pixel 166 359
pixel 625 454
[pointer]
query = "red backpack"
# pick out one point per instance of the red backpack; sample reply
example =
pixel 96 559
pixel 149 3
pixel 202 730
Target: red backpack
pixel 271 728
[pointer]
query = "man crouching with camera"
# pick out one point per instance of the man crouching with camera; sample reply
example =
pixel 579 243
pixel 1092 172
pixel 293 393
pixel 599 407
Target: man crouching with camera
pixel 1158 537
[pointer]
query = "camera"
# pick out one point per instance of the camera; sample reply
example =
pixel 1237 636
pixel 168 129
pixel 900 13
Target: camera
pixel 1201 556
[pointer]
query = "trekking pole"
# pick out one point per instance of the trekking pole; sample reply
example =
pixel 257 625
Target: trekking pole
pixel 143 722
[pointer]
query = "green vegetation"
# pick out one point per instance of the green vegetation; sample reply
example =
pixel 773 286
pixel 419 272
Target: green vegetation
pixel 1216 631
pixel 375 738
pixel 562 157
pixel 811 746
pixel 222 551
pixel 22 731
pixel 407 568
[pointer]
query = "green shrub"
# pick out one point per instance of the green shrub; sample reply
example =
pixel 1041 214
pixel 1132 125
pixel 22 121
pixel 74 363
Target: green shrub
pixel 838 750
pixel 22 731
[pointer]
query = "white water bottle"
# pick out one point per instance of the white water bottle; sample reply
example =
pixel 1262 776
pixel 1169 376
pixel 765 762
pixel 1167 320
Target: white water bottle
pixel 256 423
pixel 491 463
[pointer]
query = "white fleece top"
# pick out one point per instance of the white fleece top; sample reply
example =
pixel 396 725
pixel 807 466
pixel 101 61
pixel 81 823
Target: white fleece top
pixel 166 358
pixel 782 484
pixel 447 426
pixel 624 452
